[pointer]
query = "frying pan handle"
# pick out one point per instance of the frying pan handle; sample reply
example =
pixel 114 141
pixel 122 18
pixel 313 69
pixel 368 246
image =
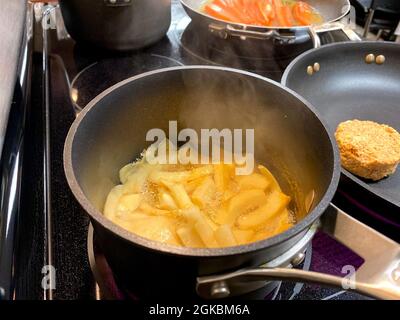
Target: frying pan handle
pixel 378 277
pixel 346 29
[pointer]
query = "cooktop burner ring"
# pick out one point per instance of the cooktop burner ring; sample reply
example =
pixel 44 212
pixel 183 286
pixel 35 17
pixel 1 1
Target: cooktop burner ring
pixel 100 75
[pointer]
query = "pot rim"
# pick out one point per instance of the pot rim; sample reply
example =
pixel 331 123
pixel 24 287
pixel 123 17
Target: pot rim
pixel 258 28
pixel 136 240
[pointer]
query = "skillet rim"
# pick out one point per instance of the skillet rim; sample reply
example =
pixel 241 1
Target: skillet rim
pixel 186 6
pixel 158 247
pixel 298 59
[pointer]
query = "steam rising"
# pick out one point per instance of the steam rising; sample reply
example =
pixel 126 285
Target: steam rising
pixel 283 142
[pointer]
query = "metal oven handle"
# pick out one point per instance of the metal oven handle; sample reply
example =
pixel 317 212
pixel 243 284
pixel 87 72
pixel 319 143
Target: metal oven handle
pixel 378 277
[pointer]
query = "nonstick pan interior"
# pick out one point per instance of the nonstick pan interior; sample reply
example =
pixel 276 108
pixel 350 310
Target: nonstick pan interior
pixel 346 87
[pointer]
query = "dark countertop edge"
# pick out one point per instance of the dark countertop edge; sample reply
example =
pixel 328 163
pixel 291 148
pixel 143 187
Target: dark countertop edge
pixel 12 28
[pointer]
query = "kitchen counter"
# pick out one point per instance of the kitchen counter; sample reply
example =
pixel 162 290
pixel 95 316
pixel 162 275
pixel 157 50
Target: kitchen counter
pixel 12 22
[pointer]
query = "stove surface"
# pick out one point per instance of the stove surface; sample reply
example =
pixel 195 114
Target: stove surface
pixel 78 74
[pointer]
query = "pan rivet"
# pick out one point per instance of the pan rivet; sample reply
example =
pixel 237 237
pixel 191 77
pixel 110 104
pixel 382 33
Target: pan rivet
pixel 316 67
pixel 223 35
pixel 298 259
pixel 310 70
pixel 370 58
pixel 220 290
pixel 380 59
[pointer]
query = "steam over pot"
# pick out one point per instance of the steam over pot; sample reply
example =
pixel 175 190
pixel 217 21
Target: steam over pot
pixel 290 139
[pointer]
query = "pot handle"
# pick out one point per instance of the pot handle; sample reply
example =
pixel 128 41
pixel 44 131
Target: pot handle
pixel 346 29
pixel 225 31
pixel 378 277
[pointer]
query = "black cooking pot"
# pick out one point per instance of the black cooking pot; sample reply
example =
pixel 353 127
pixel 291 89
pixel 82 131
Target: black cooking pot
pixel 290 139
pixel 117 24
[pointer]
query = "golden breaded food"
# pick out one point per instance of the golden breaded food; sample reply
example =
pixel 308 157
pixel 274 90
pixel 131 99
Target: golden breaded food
pixel 368 149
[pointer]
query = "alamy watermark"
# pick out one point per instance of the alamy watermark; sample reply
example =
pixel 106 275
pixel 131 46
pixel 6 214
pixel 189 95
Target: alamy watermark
pixel 49 18
pixel 349 280
pixel 212 146
pixel 49 277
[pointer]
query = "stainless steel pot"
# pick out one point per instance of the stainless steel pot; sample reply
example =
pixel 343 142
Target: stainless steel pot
pixel 289 137
pixel 117 24
pixel 331 10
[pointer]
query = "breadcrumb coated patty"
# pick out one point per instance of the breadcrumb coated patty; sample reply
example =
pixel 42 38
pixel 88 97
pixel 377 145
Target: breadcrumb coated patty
pixel 368 149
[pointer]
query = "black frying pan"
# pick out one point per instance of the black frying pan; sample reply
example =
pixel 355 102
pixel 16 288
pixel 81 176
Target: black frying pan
pixel 347 87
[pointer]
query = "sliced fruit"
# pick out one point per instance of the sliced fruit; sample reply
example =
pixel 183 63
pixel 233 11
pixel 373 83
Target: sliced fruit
pixel 147 208
pixel 229 194
pixel 276 202
pixel 129 203
pixel 305 14
pixel 244 202
pixel 112 201
pixel 191 214
pixel 266 9
pixel 243 236
pixel 205 193
pixel 253 11
pixel 225 237
pixel 219 177
pixel 191 185
pixel 180 176
pixel 211 222
pixel 221 216
pixel 201 172
pixel 288 16
pixel 179 194
pixel 206 233
pixel 156 228
pixel 189 237
pixel 262 235
pixel 222 12
pixel 279 13
pixel 166 201
pixel 253 181
pixel 136 181
pixel 169 176
pixel 126 171
pixel 284 223
pixel 270 177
